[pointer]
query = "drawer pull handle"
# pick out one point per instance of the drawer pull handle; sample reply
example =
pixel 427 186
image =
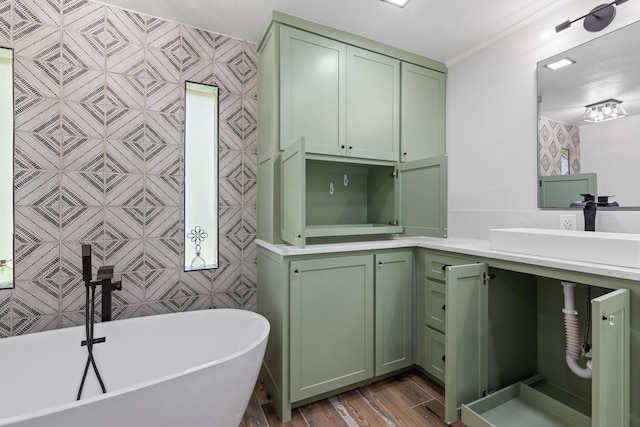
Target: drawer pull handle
pixel 445 266
pixel 444 307
pixel 443 358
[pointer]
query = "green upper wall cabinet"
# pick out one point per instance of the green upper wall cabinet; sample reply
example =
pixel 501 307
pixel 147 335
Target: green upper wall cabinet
pixel 343 100
pixel 313 74
pixel 422 120
pixel 346 95
pixel 353 101
pixel 373 105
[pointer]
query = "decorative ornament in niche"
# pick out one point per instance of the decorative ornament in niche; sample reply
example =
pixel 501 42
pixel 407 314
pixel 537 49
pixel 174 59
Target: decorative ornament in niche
pixel 197 236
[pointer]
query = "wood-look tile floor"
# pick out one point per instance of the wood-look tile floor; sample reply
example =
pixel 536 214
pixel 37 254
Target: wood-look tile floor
pixel 406 400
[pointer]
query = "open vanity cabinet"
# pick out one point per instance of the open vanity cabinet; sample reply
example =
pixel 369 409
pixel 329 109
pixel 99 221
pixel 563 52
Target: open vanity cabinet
pixel 493 332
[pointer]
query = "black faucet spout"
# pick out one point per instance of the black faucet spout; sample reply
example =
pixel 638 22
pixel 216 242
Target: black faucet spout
pixel 105 276
pixel 590 209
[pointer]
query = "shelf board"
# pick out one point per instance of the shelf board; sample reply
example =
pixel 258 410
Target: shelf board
pixel 350 230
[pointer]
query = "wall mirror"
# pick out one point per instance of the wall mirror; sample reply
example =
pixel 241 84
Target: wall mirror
pixel 200 177
pixel 605 68
pixel 6 168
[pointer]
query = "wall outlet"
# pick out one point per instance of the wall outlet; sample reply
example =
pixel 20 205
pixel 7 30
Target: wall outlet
pixel 567 222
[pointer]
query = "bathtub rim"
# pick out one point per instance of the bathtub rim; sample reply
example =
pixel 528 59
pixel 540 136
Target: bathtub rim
pixel 64 406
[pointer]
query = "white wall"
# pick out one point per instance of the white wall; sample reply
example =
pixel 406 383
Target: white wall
pixel 615 144
pixel 492 126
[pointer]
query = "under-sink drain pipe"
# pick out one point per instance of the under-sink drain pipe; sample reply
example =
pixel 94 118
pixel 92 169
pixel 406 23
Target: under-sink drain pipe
pixel 572 334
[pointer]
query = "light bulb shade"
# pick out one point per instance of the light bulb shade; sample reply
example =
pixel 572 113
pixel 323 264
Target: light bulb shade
pixel 399 3
pixel 603 111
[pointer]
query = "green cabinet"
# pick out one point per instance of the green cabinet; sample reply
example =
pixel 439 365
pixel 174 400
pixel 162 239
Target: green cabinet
pixel 325 199
pixel 611 359
pixel 393 311
pixel 530 403
pixel 431 310
pixel 343 100
pixel 331 324
pixel 373 105
pixel 313 94
pixel 422 119
pixel 558 191
pixel 466 336
pixel 343 95
pixel 337 321
pixel 495 338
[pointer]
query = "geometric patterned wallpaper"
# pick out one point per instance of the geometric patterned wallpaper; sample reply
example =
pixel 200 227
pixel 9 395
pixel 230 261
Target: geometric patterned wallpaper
pixel 553 136
pixel 99 160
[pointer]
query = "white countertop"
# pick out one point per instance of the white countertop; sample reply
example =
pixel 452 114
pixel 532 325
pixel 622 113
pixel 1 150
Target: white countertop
pixel 479 248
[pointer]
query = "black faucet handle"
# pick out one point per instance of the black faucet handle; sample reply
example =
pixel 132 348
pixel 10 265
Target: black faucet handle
pixel 105 272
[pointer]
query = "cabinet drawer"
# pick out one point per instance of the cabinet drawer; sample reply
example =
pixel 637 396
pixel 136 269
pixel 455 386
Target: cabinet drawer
pixel 435 264
pixel 435 305
pixel 435 354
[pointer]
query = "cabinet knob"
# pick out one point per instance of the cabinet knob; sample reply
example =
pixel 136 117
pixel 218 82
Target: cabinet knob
pixel 296 272
pixel 350 147
pixel 444 307
pixel 404 154
pixel 380 264
pixel 298 236
pixel 443 358
pixel 342 146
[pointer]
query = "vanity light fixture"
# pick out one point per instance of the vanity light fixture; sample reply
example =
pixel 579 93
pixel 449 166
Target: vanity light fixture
pixel 399 3
pixel 597 19
pixel 603 111
pixel 556 65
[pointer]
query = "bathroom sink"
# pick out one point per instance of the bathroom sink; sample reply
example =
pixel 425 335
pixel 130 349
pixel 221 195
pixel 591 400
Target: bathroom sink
pixel 590 246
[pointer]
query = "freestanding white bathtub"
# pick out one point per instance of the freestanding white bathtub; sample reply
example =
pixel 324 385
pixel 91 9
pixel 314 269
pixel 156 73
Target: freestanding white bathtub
pixel 190 369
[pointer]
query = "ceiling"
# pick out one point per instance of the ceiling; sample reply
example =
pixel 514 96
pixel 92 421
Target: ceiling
pixel 439 29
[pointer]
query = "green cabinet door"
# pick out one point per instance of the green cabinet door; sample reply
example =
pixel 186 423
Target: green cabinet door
pixel 373 105
pixel 611 359
pixel 393 311
pixel 466 332
pixel 331 324
pixel 422 120
pixel 558 191
pixel 312 91
pixel 292 194
pixel 420 196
